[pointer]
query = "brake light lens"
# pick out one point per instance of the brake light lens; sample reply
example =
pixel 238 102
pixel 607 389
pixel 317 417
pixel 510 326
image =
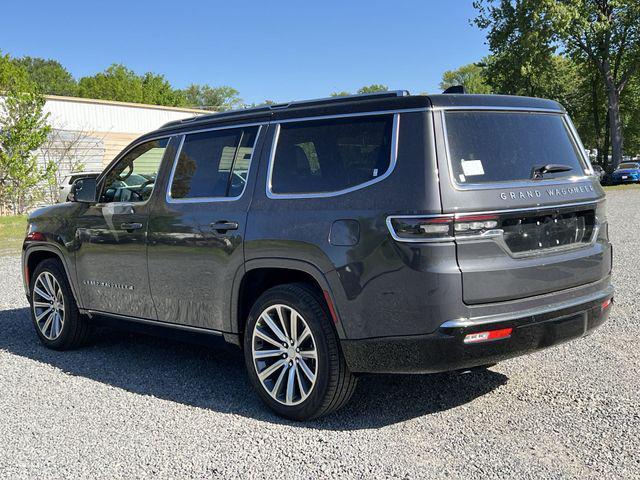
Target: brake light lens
pixel 488 336
pixel 35 237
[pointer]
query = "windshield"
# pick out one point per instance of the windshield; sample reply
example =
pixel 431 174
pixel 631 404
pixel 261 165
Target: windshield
pixel 628 165
pixel 497 146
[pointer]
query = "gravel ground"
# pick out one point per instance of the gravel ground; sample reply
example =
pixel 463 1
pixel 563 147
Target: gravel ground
pixel 137 406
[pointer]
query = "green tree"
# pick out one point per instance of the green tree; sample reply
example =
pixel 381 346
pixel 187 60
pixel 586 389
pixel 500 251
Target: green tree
pixel 373 88
pixel 211 98
pixel 343 93
pixel 49 75
pixel 470 76
pixel 117 82
pixel 13 76
pixel 23 129
pixel 603 34
pixel 122 84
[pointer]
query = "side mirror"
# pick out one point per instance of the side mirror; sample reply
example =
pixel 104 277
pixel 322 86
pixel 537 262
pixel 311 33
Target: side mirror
pixel 83 190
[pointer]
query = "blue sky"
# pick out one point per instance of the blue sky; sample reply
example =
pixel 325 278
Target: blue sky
pixel 278 50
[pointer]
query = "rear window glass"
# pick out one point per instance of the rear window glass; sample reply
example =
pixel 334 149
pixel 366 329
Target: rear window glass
pixel 503 146
pixel 331 155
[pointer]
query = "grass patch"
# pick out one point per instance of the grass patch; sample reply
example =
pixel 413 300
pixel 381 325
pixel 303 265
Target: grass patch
pixel 12 231
pixel 630 186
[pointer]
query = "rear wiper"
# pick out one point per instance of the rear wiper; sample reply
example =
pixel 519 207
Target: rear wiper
pixel 538 172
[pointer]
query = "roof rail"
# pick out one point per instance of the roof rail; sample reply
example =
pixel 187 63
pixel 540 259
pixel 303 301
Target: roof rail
pixel 282 106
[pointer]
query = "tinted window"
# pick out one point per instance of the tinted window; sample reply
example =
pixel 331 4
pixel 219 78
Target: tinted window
pixel 496 147
pixel 331 155
pixel 213 164
pixel 133 177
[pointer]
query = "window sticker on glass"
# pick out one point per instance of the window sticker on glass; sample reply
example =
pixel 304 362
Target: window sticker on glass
pixel 472 167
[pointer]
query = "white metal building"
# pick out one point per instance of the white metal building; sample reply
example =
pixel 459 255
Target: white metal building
pixel 88 134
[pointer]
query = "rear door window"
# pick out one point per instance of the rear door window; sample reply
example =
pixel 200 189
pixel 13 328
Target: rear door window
pixel 487 147
pixel 327 156
pixel 213 164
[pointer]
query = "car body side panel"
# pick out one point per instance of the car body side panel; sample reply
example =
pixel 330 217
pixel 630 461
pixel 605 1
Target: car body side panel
pixel 381 288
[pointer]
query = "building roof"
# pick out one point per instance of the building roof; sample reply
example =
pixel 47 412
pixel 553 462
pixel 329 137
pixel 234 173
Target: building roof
pixel 98 101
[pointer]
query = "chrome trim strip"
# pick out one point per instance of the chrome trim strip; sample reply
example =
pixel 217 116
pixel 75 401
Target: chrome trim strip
pixel 170 199
pixel 395 236
pixel 513 183
pixel 529 209
pixel 356 114
pixel 503 317
pixel 392 162
pixel 498 108
pixel 496 235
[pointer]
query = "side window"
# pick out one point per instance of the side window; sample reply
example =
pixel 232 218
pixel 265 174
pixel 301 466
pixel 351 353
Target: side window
pixel 213 164
pixel 133 177
pixel 331 155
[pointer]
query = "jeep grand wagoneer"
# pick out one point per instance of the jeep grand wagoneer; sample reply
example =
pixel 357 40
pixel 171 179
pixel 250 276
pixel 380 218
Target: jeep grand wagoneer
pixel 326 238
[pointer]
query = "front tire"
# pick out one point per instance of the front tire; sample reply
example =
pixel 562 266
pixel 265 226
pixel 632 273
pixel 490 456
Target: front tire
pixel 292 354
pixel 54 311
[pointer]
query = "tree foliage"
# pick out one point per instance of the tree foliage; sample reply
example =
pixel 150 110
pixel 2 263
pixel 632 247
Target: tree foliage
pixel 23 129
pixel 122 84
pixel 211 98
pixel 549 47
pixel 373 88
pixel 50 76
pixel 471 76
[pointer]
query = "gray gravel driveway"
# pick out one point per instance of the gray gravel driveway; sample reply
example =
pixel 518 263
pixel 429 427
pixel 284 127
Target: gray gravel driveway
pixel 132 406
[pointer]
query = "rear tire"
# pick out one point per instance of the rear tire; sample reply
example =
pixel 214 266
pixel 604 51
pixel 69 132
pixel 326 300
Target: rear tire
pixel 54 311
pixel 299 374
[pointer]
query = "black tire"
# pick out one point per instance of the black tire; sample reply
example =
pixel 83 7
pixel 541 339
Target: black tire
pixel 334 383
pixel 75 327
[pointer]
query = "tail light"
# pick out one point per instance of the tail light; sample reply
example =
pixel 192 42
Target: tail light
pixel 440 227
pixel 35 237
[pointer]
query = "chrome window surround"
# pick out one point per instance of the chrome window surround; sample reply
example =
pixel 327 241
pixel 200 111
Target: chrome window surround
pixel 392 162
pixel 497 235
pixel 116 161
pixel 170 199
pixel 573 136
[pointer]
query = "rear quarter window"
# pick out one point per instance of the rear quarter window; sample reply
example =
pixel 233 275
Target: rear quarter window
pixel 487 147
pixel 327 156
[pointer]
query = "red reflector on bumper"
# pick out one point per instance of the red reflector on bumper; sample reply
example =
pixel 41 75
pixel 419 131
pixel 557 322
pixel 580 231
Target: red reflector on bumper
pixel 606 304
pixel 488 335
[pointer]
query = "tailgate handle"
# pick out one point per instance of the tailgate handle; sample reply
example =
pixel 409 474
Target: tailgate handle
pixel 222 226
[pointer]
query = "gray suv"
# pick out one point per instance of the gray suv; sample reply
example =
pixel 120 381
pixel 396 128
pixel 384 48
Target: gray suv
pixel 328 238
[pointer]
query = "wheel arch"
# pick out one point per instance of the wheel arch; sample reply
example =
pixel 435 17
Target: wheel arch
pixel 34 255
pixel 259 275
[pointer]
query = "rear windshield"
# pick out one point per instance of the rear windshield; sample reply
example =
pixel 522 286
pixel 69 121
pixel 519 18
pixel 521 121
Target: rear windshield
pixel 503 146
pixel 628 165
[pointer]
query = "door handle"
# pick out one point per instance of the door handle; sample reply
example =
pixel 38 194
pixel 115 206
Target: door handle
pixel 131 226
pixel 223 226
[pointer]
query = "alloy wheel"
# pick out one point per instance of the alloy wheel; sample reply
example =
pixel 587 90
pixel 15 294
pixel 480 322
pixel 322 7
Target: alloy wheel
pixel 48 305
pixel 284 354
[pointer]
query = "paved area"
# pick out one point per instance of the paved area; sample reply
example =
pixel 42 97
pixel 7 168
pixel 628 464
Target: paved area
pixel 132 406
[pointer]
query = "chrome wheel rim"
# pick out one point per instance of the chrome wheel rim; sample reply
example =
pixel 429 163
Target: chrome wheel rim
pixel 48 305
pixel 284 354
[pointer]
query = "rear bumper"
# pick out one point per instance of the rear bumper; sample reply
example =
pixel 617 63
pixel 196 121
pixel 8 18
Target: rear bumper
pixel 444 350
